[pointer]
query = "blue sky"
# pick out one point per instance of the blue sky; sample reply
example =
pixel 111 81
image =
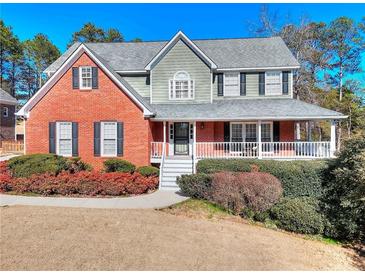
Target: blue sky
pixel 159 21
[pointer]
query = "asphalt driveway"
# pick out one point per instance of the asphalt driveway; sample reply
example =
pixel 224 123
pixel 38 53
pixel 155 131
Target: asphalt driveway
pixel 52 238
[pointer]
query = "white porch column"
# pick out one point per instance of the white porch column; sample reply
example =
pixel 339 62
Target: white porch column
pixel 297 131
pixel 194 147
pixel 164 136
pixel 333 138
pixel 259 137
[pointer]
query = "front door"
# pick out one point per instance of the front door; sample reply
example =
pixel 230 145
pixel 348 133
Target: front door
pixel 181 138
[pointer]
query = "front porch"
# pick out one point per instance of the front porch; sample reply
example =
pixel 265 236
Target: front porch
pixel 236 139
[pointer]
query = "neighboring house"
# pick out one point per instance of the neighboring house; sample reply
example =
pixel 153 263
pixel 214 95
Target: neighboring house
pixel 7 119
pixel 173 103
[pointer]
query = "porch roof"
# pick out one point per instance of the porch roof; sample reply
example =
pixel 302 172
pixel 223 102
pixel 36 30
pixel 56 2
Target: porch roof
pixel 248 109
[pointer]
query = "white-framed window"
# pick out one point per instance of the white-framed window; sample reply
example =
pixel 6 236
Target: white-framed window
pixel 5 112
pixel 85 77
pixel 236 132
pixel 231 84
pixel 266 132
pixel 181 87
pixel 273 83
pixel 251 132
pixel 64 139
pixel 109 139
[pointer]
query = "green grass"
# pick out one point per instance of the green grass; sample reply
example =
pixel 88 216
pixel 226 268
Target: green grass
pixel 323 239
pixel 201 207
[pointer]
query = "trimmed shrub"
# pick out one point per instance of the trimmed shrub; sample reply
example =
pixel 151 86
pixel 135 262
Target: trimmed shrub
pixel 148 171
pixel 195 185
pixel 256 191
pixel 119 165
pixel 298 178
pixel 27 165
pixel 5 177
pixel 343 201
pixel 83 183
pixel 76 165
pixel 298 215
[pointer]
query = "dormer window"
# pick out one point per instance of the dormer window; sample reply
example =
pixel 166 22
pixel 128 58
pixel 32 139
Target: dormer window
pixel 181 86
pixel 85 78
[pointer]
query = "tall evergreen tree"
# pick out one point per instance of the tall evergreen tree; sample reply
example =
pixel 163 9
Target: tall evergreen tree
pixel 41 53
pixel 91 33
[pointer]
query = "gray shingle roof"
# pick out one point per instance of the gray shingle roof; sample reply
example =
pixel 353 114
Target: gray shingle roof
pixel 248 109
pixel 5 97
pixel 226 53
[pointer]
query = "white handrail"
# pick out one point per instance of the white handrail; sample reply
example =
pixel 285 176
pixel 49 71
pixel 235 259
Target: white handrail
pixel 161 165
pixel 156 150
pixel 269 150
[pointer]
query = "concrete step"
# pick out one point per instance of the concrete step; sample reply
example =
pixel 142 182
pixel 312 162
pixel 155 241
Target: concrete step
pixel 174 174
pixel 177 169
pixel 178 161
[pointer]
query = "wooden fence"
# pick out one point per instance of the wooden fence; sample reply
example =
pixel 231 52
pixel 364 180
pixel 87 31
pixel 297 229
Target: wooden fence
pixel 9 146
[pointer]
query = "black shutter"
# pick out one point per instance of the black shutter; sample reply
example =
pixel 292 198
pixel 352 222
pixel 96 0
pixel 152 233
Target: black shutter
pixel 286 82
pixel 243 84
pixel 75 78
pixel 120 138
pixel 276 131
pixel 262 83
pixel 52 137
pixel 75 139
pixel 96 138
pixel 227 132
pixel 220 84
pixel 95 83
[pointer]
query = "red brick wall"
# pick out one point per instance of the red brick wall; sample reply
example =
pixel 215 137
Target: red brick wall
pixel 286 131
pixel 85 107
pixel 205 134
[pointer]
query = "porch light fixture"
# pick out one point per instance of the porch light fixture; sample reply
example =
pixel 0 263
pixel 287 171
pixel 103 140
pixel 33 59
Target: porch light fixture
pixel 202 125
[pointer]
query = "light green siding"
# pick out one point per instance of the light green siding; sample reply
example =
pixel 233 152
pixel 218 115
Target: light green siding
pixel 180 58
pixel 139 83
pixel 252 89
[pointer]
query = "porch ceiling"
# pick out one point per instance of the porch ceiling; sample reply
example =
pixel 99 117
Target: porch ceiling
pixel 248 109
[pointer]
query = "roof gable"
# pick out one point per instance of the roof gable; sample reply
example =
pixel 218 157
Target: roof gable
pixel 180 36
pixel 67 64
pixel 6 98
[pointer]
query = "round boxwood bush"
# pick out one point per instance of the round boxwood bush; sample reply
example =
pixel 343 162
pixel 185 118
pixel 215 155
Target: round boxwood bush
pixel 298 215
pixel 148 171
pixel 27 165
pixel 195 185
pixel 119 165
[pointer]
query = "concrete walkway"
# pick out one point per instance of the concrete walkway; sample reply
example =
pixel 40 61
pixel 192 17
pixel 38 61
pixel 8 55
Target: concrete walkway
pixel 158 199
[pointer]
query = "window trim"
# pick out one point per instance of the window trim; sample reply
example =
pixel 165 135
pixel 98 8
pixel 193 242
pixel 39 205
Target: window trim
pixel 238 81
pixel 102 154
pixel 58 138
pixel 5 112
pixel 80 78
pixel 271 123
pixel 191 87
pixel 281 83
pixel 257 129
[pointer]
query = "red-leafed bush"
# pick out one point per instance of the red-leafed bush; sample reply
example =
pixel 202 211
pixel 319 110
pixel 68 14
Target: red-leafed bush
pixel 256 191
pixel 83 183
pixel 5 177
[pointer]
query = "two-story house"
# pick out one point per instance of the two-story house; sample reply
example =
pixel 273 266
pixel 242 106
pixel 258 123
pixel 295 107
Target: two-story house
pixel 173 103
pixel 7 116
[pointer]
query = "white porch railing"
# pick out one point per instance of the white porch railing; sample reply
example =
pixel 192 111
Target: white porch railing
pixel 156 150
pixel 226 150
pixel 273 150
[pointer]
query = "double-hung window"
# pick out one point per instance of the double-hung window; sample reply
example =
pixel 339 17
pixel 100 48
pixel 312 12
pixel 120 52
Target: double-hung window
pixel 273 85
pixel 64 139
pixel 266 132
pixel 251 133
pixel 231 84
pixel 181 86
pixel 109 139
pixel 85 78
